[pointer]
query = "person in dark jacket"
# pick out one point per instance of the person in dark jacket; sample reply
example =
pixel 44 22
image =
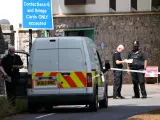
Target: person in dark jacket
pixel 10 65
pixel 118 63
pixel 139 63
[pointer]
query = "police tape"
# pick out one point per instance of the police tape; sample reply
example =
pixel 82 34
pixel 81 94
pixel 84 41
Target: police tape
pixel 137 71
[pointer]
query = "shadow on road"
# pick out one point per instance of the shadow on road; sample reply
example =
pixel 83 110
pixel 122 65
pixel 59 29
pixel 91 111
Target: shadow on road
pixel 67 110
pixel 115 112
pixel 116 109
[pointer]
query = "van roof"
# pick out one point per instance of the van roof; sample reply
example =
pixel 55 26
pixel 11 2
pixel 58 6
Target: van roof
pixel 44 38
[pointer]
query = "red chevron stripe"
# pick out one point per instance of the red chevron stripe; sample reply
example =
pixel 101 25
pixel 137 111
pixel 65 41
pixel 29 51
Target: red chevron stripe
pixel 39 74
pixel 70 81
pixel 82 78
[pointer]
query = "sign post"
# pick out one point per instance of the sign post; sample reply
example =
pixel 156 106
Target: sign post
pixel 30 39
pixel 37 14
pixel 152 71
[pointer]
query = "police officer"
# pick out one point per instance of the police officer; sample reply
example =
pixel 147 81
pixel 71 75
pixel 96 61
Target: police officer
pixel 117 63
pixel 10 65
pixel 139 63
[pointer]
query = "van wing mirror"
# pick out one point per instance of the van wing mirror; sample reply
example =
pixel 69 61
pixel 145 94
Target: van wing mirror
pixel 107 66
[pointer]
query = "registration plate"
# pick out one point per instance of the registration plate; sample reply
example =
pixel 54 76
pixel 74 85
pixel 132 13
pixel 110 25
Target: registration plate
pixel 45 83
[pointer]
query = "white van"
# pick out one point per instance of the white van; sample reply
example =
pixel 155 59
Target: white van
pixel 66 71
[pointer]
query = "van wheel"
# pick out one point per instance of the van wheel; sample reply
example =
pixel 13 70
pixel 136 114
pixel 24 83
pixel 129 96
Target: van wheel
pixel 48 107
pixel 32 108
pixel 93 106
pixel 104 103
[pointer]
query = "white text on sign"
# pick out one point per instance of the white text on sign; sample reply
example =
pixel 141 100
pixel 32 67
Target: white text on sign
pixel 38 13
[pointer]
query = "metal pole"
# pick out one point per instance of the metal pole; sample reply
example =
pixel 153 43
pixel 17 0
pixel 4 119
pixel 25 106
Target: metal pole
pixel 5 91
pixel 30 39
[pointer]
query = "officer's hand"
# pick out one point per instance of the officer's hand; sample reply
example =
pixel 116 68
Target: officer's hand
pixel 125 61
pixel 7 78
pixel 128 73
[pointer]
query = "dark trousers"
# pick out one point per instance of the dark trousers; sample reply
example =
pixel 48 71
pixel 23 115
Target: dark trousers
pixel 138 80
pixel 11 88
pixel 117 85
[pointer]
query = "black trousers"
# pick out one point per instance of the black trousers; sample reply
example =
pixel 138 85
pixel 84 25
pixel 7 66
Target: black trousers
pixel 11 88
pixel 117 85
pixel 138 80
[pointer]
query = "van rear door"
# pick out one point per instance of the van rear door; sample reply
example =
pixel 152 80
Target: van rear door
pixel 72 67
pixel 45 66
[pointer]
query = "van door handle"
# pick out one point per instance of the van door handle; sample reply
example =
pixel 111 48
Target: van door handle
pixel 66 74
pixel 93 69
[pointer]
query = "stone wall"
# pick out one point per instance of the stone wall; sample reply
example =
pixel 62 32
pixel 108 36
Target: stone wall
pixel 23 43
pixel 114 30
pixel 6 38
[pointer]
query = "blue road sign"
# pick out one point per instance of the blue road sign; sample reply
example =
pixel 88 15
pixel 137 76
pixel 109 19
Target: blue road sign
pixel 102 46
pixel 37 14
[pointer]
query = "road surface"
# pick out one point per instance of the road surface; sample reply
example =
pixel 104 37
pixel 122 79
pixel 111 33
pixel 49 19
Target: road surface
pixel 117 110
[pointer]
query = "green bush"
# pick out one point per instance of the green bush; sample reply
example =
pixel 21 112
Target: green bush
pixel 6 109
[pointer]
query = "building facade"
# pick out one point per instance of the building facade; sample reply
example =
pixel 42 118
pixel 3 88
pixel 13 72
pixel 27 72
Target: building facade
pixel 108 22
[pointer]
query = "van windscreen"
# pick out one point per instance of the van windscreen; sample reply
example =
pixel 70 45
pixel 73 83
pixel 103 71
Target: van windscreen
pixel 71 60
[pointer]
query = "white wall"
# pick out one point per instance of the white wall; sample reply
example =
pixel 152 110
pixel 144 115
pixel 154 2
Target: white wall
pixel 123 5
pixel 101 6
pixel 144 5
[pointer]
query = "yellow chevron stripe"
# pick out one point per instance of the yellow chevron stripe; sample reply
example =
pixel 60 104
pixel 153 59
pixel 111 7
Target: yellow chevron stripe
pixel 76 80
pixel 93 77
pixel 85 74
pixel 46 74
pixel 33 75
pixel 65 84
pixel 99 78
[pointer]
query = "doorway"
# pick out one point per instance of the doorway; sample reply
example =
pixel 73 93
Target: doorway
pixel 87 32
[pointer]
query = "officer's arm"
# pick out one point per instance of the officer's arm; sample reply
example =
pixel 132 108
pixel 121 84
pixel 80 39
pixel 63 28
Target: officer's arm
pixel 19 61
pixel 119 62
pixel 145 64
pixel 145 60
pixel 2 65
pixel 117 59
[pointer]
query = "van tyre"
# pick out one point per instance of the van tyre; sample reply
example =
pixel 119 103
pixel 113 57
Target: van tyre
pixel 32 108
pixel 49 108
pixel 104 103
pixel 93 106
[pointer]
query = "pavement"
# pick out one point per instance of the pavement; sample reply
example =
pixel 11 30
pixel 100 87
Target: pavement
pixel 119 109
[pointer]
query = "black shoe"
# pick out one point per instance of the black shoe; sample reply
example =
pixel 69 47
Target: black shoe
pixel 116 97
pixel 135 97
pixel 122 97
pixel 143 97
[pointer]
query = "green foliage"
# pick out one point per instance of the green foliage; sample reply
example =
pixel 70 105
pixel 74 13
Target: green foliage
pixel 6 109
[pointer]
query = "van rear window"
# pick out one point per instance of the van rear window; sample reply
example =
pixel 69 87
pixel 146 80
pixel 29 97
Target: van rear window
pixel 71 60
pixel 45 60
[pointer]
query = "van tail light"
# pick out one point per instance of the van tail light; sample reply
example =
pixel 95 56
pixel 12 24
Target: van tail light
pixel 30 82
pixel 89 79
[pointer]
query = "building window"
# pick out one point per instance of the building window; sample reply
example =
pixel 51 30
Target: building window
pixel 134 4
pixel 112 4
pixel 79 2
pixel 91 1
pixel 156 4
